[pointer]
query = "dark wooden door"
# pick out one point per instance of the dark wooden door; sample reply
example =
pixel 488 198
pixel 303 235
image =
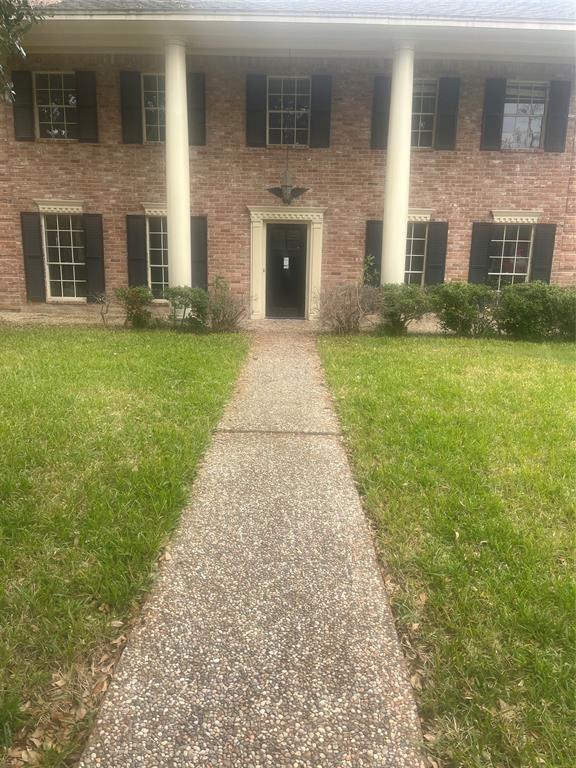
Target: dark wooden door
pixel 285 270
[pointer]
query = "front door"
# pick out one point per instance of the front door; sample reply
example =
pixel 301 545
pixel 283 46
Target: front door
pixel 285 270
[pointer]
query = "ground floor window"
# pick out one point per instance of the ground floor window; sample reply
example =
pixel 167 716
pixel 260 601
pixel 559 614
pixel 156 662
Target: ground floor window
pixel 509 254
pixel 157 237
pixel 416 240
pixel 64 253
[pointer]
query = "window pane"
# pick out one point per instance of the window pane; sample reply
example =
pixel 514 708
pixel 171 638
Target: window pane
pixel 288 108
pixel 524 110
pixel 415 252
pixel 514 264
pixel 423 112
pixel 275 85
pixel 157 255
pixel 66 268
pixel 154 107
pixel 56 98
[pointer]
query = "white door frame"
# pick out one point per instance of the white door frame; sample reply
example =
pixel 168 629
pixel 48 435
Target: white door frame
pixel 260 216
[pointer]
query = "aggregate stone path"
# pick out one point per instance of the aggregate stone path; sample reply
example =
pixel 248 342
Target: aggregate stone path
pixel 268 639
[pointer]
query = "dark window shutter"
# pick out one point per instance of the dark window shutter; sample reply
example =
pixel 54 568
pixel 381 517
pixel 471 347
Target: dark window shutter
pixel 33 256
pixel 137 250
pixel 373 252
pixel 557 116
pixel 199 231
pixel 87 107
pixel 320 108
pixel 479 252
pixel 447 112
pixel 94 253
pixel 436 245
pixel 24 123
pixel 131 104
pixel 196 93
pixel 380 112
pixel 256 90
pixel 493 116
pixel 542 252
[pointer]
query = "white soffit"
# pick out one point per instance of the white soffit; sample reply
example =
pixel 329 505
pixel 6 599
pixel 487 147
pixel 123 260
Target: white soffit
pixel 516 217
pixel 275 36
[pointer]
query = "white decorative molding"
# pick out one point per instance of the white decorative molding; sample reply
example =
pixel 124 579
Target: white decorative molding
pixel 419 214
pixel 59 206
pixel 260 216
pixel 155 209
pixel 516 217
pixel 286 213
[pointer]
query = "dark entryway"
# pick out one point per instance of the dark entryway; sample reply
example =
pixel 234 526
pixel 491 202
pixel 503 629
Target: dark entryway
pixel 285 270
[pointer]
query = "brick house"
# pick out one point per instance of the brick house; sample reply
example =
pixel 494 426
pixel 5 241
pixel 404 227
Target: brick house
pixel 285 145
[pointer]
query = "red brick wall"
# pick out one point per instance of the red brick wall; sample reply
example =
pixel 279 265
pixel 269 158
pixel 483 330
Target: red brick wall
pixel 347 179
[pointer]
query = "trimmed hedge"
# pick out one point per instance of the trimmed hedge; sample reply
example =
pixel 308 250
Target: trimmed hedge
pixel 465 309
pixel 399 305
pixel 536 311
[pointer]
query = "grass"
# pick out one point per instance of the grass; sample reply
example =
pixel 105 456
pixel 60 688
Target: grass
pixel 100 434
pixel 464 452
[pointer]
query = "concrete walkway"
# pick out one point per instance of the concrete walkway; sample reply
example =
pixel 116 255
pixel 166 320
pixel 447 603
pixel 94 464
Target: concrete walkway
pixel 268 639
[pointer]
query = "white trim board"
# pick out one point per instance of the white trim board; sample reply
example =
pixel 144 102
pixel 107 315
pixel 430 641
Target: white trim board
pixel 260 216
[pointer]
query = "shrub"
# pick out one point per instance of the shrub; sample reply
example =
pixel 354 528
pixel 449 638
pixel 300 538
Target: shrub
pixel 224 309
pixel 343 307
pixel 464 308
pixel 135 302
pixel 565 313
pixel 536 311
pixel 399 305
pixel 188 308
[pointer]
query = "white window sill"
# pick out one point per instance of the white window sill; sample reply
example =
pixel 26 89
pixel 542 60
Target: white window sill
pixel 65 300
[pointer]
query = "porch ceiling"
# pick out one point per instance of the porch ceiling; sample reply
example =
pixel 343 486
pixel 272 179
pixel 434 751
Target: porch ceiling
pixel 305 36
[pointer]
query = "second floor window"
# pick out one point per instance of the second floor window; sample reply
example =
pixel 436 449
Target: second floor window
pixel 56 105
pixel 288 112
pixel 157 233
pixel 524 107
pixel 154 101
pixel 424 112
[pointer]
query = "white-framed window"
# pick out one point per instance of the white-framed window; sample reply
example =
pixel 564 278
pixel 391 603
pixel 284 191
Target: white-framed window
pixel 524 110
pixel 424 97
pixel 154 107
pixel 157 246
pixel 416 242
pixel 64 255
pixel 510 254
pixel 288 112
pixel 56 105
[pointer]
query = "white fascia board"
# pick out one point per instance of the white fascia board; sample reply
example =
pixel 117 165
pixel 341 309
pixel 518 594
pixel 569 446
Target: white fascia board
pixel 355 20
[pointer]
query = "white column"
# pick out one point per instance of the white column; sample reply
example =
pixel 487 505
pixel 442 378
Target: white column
pixel 397 186
pixel 177 165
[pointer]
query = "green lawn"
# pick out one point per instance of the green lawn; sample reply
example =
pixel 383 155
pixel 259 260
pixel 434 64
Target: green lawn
pixel 100 434
pixel 464 451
